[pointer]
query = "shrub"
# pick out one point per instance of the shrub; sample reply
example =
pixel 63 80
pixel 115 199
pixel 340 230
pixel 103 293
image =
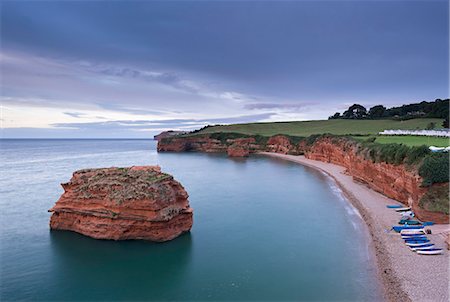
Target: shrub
pixel 436 199
pixel 416 154
pixel 310 140
pixel 434 169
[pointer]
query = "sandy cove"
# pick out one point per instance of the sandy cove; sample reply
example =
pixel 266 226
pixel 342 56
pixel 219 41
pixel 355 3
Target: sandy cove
pixel 406 275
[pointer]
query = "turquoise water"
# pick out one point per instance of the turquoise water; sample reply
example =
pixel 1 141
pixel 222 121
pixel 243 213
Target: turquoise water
pixel 264 229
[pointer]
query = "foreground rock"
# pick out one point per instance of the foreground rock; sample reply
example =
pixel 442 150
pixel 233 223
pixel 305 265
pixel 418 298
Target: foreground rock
pixel 123 203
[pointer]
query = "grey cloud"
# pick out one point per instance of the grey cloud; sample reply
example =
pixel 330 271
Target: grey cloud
pixel 156 124
pixel 166 78
pixel 254 106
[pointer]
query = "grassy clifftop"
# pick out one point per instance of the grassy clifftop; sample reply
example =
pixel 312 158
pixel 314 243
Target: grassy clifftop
pixel 339 127
pixel 307 128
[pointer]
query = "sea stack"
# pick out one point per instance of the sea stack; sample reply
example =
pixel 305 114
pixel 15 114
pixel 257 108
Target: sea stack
pixel 123 203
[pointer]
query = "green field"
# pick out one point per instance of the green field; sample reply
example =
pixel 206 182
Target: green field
pixel 307 128
pixel 409 140
pixel 341 127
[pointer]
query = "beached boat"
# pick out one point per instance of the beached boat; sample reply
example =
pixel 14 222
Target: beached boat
pixel 412 231
pixel 394 206
pixel 409 222
pixel 429 252
pixel 414 237
pixel 399 228
pixel 416 243
pixel 422 247
pixel 414 240
pixel 403 209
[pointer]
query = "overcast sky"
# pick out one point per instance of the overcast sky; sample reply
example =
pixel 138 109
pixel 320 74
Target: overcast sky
pixel 133 69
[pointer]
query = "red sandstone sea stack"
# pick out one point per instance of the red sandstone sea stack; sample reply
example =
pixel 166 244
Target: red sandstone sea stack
pixel 123 203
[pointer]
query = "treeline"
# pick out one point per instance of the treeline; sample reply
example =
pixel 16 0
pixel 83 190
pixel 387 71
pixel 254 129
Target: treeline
pixel 437 109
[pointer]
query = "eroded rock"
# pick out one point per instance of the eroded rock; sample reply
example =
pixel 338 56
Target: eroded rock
pixel 138 202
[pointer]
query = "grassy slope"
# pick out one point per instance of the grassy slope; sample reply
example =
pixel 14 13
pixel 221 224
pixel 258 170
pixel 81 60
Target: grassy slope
pixel 360 127
pixel 410 140
pixel 306 128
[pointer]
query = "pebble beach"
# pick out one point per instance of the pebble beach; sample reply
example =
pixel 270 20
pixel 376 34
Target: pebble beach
pixel 406 276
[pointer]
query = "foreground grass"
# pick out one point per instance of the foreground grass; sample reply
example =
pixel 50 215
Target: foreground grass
pixel 307 128
pixel 409 140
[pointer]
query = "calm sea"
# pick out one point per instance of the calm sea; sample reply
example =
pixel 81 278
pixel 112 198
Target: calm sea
pixel 264 229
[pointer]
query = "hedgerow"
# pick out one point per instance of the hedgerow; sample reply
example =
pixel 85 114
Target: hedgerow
pixel 434 169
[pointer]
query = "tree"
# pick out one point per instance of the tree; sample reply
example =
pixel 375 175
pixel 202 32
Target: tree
pixel 445 123
pixel 355 111
pixel 335 116
pixel 377 111
pixel 431 126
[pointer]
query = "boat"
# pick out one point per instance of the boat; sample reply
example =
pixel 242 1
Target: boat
pixel 394 206
pixel 414 237
pixel 416 243
pixel 422 247
pixel 429 252
pixel 427 223
pixel 423 244
pixel 403 209
pixel 407 233
pixel 399 228
pixel 417 240
pixel 412 231
pixel 409 222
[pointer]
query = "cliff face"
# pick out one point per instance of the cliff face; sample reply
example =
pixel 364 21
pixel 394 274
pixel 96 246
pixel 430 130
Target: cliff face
pixel 123 203
pixel 197 143
pixel 241 147
pixel 233 147
pixel 394 181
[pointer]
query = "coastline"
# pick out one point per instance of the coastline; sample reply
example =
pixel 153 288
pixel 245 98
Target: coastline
pixel 405 275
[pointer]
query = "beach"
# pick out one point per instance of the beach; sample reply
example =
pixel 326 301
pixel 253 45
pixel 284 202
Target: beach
pixel 406 275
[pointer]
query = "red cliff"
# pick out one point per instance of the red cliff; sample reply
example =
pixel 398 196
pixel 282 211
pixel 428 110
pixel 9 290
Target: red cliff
pixel 123 203
pixel 240 147
pixel 395 181
pixel 279 144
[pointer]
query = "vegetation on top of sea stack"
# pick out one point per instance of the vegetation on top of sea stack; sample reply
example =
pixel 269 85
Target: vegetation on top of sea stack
pixel 119 184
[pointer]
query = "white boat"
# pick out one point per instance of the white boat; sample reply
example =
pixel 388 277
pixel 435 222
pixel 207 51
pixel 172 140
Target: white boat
pixel 412 232
pixel 403 209
pixel 416 244
pixel 429 252
pixel 417 248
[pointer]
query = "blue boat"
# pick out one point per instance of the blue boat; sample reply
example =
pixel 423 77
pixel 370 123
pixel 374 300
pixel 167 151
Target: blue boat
pixel 409 222
pixel 414 237
pixel 398 228
pixel 417 240
pixel 394 206
pixel 427 223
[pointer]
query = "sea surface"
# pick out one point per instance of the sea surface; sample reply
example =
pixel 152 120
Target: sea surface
pixel 264 229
